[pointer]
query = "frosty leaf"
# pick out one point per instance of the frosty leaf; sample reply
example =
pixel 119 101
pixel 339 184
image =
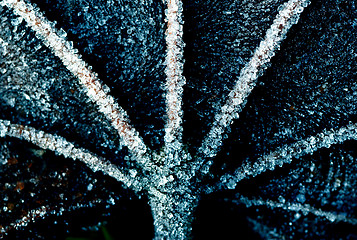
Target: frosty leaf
pixel 181 132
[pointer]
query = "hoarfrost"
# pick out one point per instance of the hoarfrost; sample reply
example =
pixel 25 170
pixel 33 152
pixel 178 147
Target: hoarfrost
pixel 168 104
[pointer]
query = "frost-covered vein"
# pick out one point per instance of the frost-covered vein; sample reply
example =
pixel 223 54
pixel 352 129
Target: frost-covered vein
pixel 62 147
pixel 174 79
pixel 287 16
pixel 264 231
pixel 296 207
pixel 173 215
pixel 31 216
pixel 42 212
pixel 287 153
pixel 97 92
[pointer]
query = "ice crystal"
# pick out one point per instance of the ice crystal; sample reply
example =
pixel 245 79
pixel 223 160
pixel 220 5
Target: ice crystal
pixel 178 119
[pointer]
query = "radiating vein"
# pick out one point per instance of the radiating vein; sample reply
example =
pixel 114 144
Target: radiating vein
pixel 64 148
pixel 31 216
pixel 265 232
pixel 174 80
pixel 43 211
pixel 287 16
pixel 296 207
pixel 287 153
pixel 97 92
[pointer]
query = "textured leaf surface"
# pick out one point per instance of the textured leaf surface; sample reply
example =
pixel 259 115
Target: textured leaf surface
pixel 309 86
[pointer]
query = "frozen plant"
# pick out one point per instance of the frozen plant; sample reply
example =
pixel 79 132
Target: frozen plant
pixel 119 110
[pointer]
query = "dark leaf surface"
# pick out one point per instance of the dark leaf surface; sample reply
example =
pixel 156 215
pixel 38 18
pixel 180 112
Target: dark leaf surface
pixel 310 85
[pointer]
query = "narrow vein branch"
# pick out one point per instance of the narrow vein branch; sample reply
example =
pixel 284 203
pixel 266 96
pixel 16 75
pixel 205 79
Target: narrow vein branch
pixel 287 153
pixel 288 16
pixel 96 92
pixel 265 232
pixel 62 147
pixel 31 216
pixel 41 212
pixel 296 207
pixel 174 79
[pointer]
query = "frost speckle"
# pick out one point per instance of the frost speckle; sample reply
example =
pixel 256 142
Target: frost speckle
pixel 174 105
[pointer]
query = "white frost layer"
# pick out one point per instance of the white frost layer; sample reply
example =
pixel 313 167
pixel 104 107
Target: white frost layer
pixel 174 81
pixel 287 153
pixel 98 93
pixel 41 213
pixel 296 207
pixel 62 147
pixel 287 16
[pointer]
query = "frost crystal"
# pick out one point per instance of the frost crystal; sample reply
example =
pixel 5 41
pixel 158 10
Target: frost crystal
pixel 126 114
